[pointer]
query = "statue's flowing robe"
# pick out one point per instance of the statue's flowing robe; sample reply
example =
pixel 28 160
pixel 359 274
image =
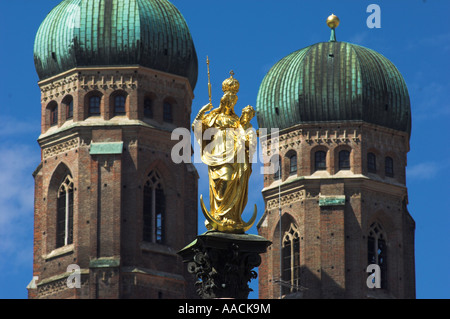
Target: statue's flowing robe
pixel 229 168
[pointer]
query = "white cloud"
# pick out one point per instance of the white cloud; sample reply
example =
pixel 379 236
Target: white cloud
pixel 426 170
pixel 430 101
pixel 439 40
pixel 11 127
pixel 17 162
pixel 359 38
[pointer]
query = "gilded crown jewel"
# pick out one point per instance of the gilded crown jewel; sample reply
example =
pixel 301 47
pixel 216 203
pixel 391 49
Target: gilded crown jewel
pixel 230 84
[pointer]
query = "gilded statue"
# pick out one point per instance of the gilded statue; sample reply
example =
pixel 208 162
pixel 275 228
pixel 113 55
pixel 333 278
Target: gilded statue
pixel 227 142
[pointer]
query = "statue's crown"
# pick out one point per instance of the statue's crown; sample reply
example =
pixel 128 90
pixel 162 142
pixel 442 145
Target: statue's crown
pixel 230 84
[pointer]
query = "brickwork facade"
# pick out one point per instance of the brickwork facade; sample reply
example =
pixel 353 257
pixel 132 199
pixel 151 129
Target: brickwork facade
pixel 333 210
pixel 108 185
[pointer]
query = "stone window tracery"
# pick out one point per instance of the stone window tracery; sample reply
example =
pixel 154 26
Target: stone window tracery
pixel 154 209
pixel 290 261
pixel 377 250
pixel 64 216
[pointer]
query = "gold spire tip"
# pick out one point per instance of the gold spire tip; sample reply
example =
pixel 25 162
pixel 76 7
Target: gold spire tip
pixel 333 21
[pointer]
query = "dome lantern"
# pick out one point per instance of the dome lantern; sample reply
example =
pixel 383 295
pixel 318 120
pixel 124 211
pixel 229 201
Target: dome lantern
pixel 333 22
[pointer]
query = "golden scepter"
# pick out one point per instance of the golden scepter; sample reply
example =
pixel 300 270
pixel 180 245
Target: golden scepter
pixel 209 80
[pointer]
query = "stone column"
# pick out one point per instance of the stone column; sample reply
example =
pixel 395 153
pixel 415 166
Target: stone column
pixel 223 263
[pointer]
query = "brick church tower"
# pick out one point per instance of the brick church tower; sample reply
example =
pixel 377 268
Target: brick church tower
pixel 344 119
pixel 111 207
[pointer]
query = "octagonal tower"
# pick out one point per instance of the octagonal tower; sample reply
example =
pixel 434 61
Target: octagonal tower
pixel 338 203
pixel 116 77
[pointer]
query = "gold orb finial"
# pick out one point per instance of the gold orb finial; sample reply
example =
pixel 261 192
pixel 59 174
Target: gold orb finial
pixel 333 21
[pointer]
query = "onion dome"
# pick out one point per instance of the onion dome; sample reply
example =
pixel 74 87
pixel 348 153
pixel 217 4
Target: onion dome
pixel 334 82
pixel 92 33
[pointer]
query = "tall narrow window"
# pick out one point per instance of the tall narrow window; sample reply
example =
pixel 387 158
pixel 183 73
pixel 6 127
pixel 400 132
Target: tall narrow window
pixel 291 261
pixel 160 207
pixel 148 108
pixel 320 158
pixel 276 164
pixel 154 209
pixel 371 163
pixel 389 166
pixel 54 115
pixel 293 165
pixel 377 250
pixel 94 105
pixel 167 112
pixel 119 105
pixel 148 213
pixel 64 216
pixel 344 160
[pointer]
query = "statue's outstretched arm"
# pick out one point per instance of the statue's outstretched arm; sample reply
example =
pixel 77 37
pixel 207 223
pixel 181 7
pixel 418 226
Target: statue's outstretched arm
pixel 201 114
pixel 208 107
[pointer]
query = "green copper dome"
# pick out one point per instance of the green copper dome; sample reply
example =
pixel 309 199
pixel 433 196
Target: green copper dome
pixel 85 33
pixel 333 82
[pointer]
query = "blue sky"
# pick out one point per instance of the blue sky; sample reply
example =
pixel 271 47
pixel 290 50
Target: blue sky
pixel 250 36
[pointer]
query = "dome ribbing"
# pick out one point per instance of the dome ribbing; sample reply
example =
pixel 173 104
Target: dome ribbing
pixel 334 82
pixel 90 33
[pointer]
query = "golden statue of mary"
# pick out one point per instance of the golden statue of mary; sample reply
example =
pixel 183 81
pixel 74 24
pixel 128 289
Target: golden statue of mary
pixel 227 143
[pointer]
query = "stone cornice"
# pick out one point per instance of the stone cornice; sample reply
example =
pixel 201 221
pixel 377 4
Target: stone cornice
pixel 295 190
pixel 99 122
pixel 339 133
pixel 129 77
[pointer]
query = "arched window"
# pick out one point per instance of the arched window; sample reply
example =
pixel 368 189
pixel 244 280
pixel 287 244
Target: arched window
pixel 371 163
pixel 276 164
pixel 154 209
pixel 68 104
pixel 119 105
pixel 64 216
pixel 293 164
pixel 320 160
pixel 377 250
pixel 291 261
pixel 344 160
pixel 148 108
pixel 389 166
pixel 70 109
pixel 167 112
pixel 54 114
pixel 94 105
